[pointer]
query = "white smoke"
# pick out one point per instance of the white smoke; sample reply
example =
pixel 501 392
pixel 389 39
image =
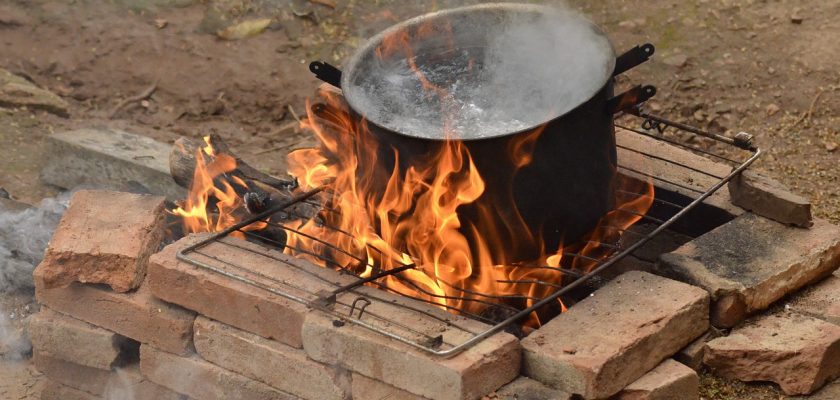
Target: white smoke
pixel 24 235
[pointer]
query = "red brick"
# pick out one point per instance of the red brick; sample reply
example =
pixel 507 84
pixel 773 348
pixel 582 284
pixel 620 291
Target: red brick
pixel 668 381
pixel 137 315
pixel 524 388
pixel 769 198
pixel 200 379
pixel 471 374
pixel 615 336
pixel 235 303
pixel 270 362
pixel 798 352
pixel 104 237
pixel 124 382
pixel 365 388
pixel 60 336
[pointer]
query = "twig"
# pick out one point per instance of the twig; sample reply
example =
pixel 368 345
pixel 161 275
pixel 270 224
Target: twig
pixel 133 99
pixel 325 3
pixel 806 116
pixel 276 148
pixel 292 111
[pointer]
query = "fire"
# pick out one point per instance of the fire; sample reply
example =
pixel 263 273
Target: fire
pixel 211 188
pixel 386 219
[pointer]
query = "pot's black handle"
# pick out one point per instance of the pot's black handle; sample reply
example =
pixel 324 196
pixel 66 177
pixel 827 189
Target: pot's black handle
pixel 326 72
pixel 633 57
pixel 631 98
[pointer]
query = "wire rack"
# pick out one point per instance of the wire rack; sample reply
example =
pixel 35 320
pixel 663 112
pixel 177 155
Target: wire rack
pixel 681 186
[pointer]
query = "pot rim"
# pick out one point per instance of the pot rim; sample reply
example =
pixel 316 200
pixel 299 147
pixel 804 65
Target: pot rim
pixel 370 45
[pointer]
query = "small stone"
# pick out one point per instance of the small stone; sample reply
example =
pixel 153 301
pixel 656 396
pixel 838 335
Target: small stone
pixel 801 357
pixel 18 92
pixel 830 146
pixel 676 60
pixel 772 109
pixel 161 23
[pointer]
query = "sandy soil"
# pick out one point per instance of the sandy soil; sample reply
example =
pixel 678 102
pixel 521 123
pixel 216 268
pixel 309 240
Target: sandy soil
pixel 765 67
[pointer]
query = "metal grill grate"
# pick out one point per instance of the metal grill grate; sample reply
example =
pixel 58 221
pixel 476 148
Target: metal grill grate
pixel 356 303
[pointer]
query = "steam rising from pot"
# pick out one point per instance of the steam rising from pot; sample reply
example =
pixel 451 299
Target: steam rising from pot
pixel 480 74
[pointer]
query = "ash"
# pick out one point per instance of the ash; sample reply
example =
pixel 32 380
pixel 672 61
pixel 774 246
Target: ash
pixel 24 236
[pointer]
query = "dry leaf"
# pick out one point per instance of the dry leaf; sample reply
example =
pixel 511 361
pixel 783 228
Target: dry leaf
pixel 244 29
pixel 161 23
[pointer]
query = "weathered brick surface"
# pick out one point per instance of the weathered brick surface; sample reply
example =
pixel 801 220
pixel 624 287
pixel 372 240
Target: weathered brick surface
pixel 632 324
pixel 137 315
pixel 104 237
pixel 200 379
pixel 365 388
pixel 235 303
pixel 750 262
pixel 821 300
pixel 798 352
pixel 111 159
pixel 668 381
pixel 122 383
pixel 87 379
pixel 55 391
pixel 477 371
pixel 60 336
pixel 829 392
pixel 270 362
pixel 528 389
pixel 769 198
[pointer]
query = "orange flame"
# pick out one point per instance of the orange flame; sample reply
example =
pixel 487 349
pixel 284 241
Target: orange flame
pixel 207 189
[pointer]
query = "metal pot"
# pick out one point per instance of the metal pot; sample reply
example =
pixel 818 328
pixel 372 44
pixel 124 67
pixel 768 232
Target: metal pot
pixel 487 52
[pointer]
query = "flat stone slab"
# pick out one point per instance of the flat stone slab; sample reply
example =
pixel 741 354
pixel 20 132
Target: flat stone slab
pixel 829 392
pixel 104 237
pixel 109 159
pixel 692 355
pixel 769 198
pixel 821 300
pixel 200 379
pixel 668 381
pixel 53 390
pixel 59 336
pixel 751 261
pixel 797 352
pixel 273 363
pixel 615 336
pixel 16 91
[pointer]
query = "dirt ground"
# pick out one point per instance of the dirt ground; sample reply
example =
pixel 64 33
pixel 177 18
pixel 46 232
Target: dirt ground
pixel 771 68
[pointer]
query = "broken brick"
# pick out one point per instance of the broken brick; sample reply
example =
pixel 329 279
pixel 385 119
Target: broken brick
pixel 104 237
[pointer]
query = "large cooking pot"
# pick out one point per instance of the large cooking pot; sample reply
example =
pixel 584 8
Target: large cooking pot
pixel 486 75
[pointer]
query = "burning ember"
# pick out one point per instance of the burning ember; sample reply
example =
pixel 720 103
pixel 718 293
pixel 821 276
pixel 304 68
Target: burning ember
pixel 385 219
